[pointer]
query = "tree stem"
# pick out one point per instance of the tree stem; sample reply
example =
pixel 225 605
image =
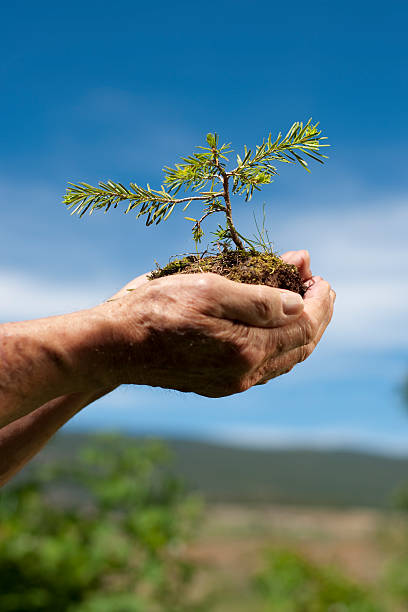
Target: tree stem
pixel 228 212
pixel 233 231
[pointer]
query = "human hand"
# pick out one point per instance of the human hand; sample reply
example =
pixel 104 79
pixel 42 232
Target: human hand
pixel 206 334
pixel 130 286
pixel 317 309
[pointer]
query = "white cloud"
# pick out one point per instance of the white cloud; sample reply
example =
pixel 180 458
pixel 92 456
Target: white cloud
pixel 363 252
pixel 322 438
pixel 371 316
pixel 23 296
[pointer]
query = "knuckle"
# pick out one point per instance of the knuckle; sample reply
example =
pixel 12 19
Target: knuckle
pixel 262 308
pixel 249 354
pixel 205 282
pixel 326 285
pixel 304 253
pixel 284 370
pixel 209 285
pixel 242 385
pixel 308 329
pixel 306 351
pixel 279 345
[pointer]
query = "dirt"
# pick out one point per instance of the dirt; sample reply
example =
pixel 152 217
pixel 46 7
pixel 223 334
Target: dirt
pixel 234 538
pixel 251 267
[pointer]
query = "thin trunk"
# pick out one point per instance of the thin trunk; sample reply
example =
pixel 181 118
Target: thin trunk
pixel 234 235
pixel 233 231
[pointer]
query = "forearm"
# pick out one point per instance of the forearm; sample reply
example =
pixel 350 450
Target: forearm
pixel 25 437
pixel 49 358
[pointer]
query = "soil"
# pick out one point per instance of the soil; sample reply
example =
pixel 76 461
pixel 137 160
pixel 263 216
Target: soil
pixel 251 267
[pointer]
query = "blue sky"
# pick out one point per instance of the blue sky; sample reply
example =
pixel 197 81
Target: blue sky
pixel 88 93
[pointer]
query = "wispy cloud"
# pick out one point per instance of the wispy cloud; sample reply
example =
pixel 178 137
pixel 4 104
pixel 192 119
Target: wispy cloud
pixel 362 250
pixel 311 438
pixel 23 296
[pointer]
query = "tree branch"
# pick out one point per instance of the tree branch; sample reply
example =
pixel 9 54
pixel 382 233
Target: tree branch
pixel 208 196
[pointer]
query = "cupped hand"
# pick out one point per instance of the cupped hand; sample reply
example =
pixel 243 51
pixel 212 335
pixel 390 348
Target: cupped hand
pixel 131 286
pixel 206 334
pixel 300 259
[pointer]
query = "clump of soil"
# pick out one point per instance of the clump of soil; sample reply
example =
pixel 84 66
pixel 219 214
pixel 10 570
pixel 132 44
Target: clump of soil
pixel 250 267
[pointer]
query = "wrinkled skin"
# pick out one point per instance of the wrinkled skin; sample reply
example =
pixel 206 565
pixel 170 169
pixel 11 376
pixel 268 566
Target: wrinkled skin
pixel 207 334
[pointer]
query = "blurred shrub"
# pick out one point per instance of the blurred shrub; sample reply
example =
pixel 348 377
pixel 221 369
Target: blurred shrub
pixel 397 580
pixel 290 583
pixel 400 498
pixel 102 534
pixel 397 569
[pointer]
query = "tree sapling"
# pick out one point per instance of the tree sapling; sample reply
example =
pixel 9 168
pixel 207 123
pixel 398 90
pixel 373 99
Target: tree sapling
pixel 204 177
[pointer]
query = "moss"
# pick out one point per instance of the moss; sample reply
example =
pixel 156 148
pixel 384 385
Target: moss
pixel 252 267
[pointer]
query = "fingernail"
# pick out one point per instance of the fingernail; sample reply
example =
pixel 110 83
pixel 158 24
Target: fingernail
pixel 292 303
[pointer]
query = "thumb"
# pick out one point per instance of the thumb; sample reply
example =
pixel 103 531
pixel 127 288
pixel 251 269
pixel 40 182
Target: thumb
pixel 257 305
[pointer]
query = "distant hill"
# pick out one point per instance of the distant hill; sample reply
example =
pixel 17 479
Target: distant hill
pixel 306 477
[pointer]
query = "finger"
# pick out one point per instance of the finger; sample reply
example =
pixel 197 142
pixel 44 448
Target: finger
pixel 300 259
pixel 301 332
pixel 256 305
pixel 285 363
pixel 323 322
pixel 317 289
pixel 280 366
pixel 291 355
pixel 319 302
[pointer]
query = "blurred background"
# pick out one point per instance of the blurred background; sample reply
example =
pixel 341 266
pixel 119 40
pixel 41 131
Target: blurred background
pixel 290 496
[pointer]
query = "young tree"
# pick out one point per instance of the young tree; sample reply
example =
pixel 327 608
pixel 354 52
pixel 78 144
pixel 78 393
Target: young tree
pixel 204 177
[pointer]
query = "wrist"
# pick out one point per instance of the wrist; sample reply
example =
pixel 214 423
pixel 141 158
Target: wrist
pixel 124 331
pixel 101 348
pixel 47 358
pixel 91 350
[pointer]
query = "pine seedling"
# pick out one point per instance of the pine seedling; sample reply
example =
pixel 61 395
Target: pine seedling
pixel 204 177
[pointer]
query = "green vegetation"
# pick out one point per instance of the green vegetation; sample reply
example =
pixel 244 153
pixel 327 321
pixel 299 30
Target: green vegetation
pixel 289 583
pixel 104 525
pixel 400 498
pixel 110 540
pixel 205 176
pixel 398 569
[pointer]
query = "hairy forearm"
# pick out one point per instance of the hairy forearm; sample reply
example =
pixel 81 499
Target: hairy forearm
pixel 47 358
pixel 25 437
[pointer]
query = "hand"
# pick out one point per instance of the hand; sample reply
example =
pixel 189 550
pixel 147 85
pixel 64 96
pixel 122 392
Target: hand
pixel 209 335
pixel 301 259
pixel 131 286
pixel 317 309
